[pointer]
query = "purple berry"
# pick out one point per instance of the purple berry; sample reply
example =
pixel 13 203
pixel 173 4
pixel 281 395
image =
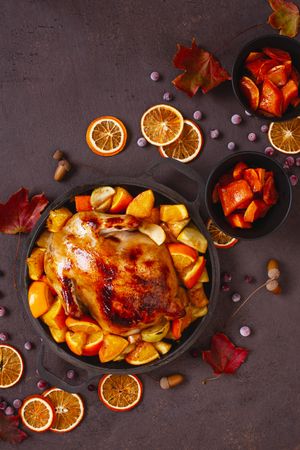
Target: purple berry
pixel 231 145
pixel 227 277
pixel 2 311
pixel 289 161
pixel 4 337
pixel 28 345
pixel 91 387
pixel 245 331
pixel 197 115
pixel 214 134
pixel 264 128
pixel 269 151
pixel 298 161
pixel 71 374
pixel 236 297
pixel 9 411
pixel 3 405
pixel 225 287
pixel 194 353
pixel 155 76
pixel 42 384
pixel 249 279
pixel 141 142
pixel 17 403
pixel 252 137
pixel 294 180
pixel 236 119
pixel 167 97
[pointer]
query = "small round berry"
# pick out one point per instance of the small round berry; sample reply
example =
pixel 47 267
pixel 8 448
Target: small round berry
pixel 236 119
pixel 28 345
pixel 3 337
pixel 298 161
pixel 289 161
pixel 214 134
pixel 168 97
pixel 231 145
pixel 225 287
pixel 197 115
pixel 236 297
pixel 71 374
pixel 91 387
pixel 245 331
pixel 227 277
pixel 285 165
pixel 141 142
pixel 155 76
pixel 269 151
pixel 42 384
pixel 9 411
pixel 3 405
pixel 294 180
pixel 2 311
pixel 17 403
pixel 194 353
pixel 249 279
pixel 248 113
pixel 264 128
pixel 252 137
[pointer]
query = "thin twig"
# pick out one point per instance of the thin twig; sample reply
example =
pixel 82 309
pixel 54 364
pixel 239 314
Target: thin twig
pixel 206 380
pixel 246 300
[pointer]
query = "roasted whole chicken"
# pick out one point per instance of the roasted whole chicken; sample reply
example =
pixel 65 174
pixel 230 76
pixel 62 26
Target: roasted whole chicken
pixel 102 264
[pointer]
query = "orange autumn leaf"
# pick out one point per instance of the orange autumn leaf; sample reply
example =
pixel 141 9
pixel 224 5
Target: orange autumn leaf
pixel 285 17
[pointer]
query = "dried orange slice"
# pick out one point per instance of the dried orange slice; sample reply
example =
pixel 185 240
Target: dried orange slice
pixel 220 239
pixel 69 409
pixel 11 366
pixel 285 136
pixel 161 125
pixel 187 146
pixel 37 413
pixel 120 392
pixel 106 136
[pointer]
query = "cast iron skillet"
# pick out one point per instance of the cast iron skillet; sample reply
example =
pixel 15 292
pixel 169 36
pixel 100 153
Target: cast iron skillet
pixel 163 194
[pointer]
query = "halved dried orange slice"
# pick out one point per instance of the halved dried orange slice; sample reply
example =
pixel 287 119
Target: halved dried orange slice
pixel 285 136
pixel 161 125
pixel 11 366
pixel 220 239
pixel 37 413
pixel 187 146
pixel 106 136
pixel 120 392
pixel 69 409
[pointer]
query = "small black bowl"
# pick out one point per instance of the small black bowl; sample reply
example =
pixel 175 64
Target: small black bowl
pixel 277 213
pixel 275 41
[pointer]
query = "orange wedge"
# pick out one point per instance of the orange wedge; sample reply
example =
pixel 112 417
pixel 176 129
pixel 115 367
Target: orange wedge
pixel 106 136
pixel 120 392
pixel 37 413
pixel 93 344
pixel 11 366
pixel 182 255
pixel 85 324
pixel 161 125
pixel 76 341
pixel 144 353
pixel 69 409
pixel 187 146
pixel 285 136
pixel 220 239
pixel 173 213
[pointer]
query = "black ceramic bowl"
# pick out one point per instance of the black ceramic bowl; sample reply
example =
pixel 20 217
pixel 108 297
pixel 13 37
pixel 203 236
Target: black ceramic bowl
pixel 275 216
pixel 275 41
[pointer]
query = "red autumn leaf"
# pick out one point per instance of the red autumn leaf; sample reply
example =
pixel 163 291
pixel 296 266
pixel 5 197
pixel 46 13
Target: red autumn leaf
pixel 224 356
pixel 9 429
pixel 19 214
pixel 285 17
pixel 201 70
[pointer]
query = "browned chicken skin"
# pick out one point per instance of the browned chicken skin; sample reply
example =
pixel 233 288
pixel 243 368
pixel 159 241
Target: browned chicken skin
pixel 103 264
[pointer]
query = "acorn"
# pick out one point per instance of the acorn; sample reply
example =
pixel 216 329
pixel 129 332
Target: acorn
pixel 274 287
pixel 58 155
pixel 171 381
pixel 273 269
pixel 62 169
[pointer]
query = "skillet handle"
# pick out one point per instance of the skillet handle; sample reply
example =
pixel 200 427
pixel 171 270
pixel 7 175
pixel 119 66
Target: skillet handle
pixel 188 172
pixel 56 381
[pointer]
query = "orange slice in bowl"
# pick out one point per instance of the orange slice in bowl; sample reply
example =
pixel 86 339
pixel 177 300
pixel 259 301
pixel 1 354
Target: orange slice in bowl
pixel 285 136
pixel 161 125
pixel 120 392
pixel 187 146
pixel 37 413
pixel 106 136
pixel 11 366
pixel 220 239
pixel 69 409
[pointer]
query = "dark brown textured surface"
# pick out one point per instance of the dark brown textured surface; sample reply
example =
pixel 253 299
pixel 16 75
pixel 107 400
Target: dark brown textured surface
pixel 63 63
